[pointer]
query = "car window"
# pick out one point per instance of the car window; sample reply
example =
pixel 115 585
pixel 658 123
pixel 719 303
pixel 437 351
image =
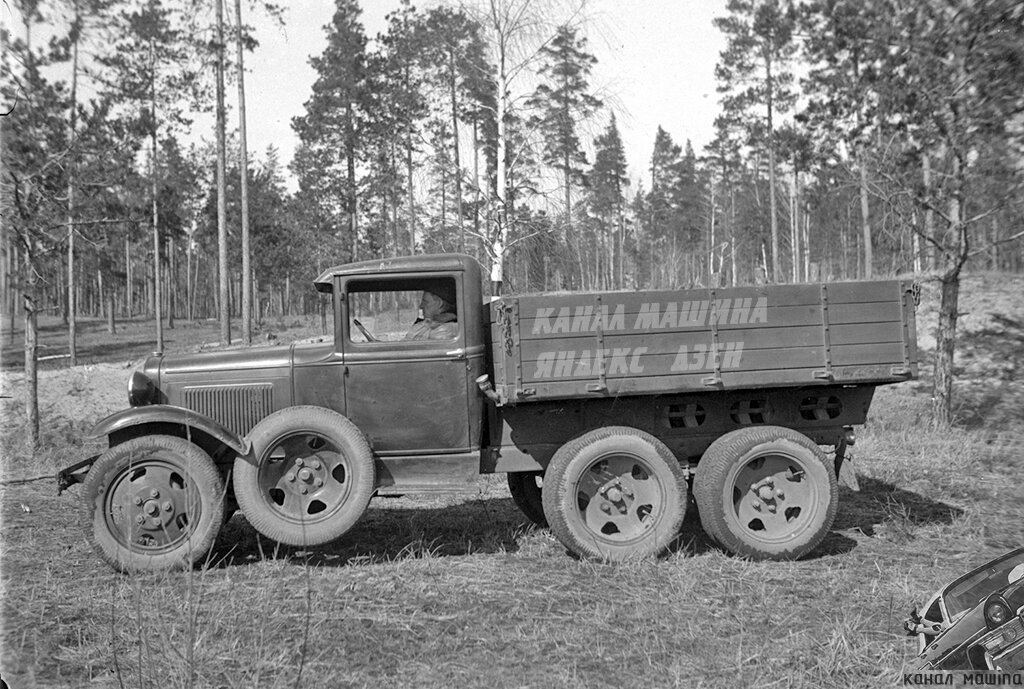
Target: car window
pixel 385 315
pixel 965 594
pixel 393 311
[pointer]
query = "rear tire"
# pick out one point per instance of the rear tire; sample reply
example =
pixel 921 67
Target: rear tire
pixel 309 477
pixel 153 503
pixel 766 493
pixel 615 493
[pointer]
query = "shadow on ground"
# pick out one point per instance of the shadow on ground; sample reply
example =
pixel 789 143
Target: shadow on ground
pixel 495 525
pixel 881 504
pixel 388 532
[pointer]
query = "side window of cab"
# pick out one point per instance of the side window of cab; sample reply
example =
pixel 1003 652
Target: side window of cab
pixel 393 311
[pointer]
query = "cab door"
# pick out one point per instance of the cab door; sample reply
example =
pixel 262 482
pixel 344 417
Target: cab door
pixel 410 397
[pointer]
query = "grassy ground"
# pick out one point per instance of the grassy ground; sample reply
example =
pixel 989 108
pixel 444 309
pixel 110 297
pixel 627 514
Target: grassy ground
pixel 460 591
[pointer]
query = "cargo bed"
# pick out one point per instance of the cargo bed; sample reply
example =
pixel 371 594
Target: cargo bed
pixel 601 344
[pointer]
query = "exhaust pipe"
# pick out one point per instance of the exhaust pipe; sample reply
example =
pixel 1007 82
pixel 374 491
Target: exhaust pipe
pixel 484 383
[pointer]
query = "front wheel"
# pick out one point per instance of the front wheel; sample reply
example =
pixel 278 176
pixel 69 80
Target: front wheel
pixel 153 503
pixel 766 493
pixel 309 479
pixel 615 493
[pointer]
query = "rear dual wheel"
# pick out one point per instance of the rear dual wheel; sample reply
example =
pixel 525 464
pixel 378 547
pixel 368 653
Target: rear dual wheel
pixel 766 493
pixel 615 493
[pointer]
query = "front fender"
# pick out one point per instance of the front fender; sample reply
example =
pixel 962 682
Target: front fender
pixel 166 413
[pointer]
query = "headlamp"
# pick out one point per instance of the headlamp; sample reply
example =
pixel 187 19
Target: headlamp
pixel 140 390
pixel 996 611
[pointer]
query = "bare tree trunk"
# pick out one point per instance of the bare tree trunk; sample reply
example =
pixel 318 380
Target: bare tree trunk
pixel 7 264
pixel 732 235
pixel 455 151
pixel 31 354
pixel 157 305
pixel 476 179
pixel 72 316
pixel 776 263
pixel 188 278
pixel 411 196
pixel 108 293
pixel 172 282
pixel 794 237
pixel 865 218
pixel 222 204
pixel 244 163
pixel 350 191
pixel 945 347
pixel 929 214
pixel 500 238
pixel 807 242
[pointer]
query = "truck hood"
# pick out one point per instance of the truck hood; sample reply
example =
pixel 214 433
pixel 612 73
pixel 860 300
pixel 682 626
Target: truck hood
pixel 229 360
pixel 250 359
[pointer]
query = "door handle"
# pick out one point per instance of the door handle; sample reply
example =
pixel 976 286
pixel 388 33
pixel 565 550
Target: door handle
pixel 456 353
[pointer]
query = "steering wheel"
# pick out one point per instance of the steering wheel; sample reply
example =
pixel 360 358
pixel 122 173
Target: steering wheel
pixel 364 331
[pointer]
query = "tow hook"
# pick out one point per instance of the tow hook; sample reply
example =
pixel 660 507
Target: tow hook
pixel 69 476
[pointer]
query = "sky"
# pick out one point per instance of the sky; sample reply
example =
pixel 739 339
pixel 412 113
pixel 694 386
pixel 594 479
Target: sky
pixel 656 61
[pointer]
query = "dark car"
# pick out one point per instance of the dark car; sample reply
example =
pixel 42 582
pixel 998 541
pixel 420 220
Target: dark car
pixel 976 622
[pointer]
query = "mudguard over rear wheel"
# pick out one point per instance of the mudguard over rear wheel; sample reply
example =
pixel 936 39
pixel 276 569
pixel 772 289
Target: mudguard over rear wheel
pixel 615 493
pixel 525 488
pixel 309 478
pixel 153 503
pixel 766 493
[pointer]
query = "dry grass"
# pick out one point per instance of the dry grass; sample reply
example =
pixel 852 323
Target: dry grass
pixel 461 592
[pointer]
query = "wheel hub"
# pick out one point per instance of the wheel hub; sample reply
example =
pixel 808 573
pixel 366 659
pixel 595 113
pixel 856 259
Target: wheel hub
pixel 304 475
pixel 152 514
pixel 152 506
pixel 617 498
pixel 772 497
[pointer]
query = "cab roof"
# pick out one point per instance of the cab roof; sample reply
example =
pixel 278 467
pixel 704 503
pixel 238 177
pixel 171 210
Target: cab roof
pixel 422 263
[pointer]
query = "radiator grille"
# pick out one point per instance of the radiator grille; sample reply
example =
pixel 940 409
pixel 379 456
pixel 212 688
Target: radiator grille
pixel 236 407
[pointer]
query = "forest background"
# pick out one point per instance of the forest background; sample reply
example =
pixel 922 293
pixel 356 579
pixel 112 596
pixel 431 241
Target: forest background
pixel 854 140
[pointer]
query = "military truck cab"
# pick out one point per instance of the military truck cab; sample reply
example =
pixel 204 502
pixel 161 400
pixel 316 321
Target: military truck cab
pixel 415 400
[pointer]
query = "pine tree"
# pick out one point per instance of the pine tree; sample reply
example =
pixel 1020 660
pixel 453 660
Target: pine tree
pixel 562 102
pixel 608 180
pixel 455 52
pixel 839 46
pixel 753 73
pixel 330 130
pixel 32 183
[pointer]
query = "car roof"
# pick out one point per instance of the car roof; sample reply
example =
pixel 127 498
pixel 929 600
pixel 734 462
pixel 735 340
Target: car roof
pixel 422 263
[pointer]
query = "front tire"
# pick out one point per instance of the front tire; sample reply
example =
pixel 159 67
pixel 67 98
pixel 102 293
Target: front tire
pixel 615 493
pixel 153 503
pixel 766 493
pixel 309 478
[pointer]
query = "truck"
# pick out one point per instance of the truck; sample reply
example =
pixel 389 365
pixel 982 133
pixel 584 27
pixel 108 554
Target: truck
pixel 608 411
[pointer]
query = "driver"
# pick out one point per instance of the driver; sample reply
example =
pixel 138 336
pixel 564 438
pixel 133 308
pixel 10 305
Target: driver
pixel 438 322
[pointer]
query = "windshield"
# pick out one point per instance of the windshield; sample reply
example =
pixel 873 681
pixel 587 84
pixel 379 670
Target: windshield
pixel 967 592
